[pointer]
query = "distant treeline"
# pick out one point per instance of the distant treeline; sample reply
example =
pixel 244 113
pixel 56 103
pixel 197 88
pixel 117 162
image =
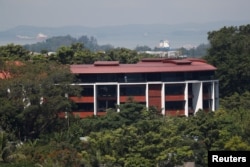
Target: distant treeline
pixel 52 44
pixel 198 51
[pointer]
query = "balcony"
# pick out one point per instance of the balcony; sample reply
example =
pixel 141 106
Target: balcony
pixel 174 97
pixel 124 99
pixel 82 99
pixel 106 97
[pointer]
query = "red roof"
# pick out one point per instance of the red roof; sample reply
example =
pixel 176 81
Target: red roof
pixel 4 74
pixel 106 63
pixel 145 66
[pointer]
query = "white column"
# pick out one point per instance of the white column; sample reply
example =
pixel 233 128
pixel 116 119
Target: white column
pixel 118 97
pixel 95 100
pixel 146 94
pixel 197 93
pixel 213 95
pixel 163 99
pixel 216 95
pixel 186 98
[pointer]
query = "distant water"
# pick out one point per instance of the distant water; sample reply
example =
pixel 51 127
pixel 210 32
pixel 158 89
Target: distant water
pixel 129 36
pixel 18 41
pixel 153 41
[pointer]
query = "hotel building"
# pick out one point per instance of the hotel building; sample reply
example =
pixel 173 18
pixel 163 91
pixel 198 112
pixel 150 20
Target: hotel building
pixel 178 87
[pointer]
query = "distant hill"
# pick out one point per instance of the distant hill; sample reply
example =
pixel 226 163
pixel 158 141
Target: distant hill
pixel 128 36
pixel 53 43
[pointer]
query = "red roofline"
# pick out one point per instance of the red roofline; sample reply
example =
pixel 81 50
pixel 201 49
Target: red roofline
pixel 106 63
pixel 145 66
pixel 178 62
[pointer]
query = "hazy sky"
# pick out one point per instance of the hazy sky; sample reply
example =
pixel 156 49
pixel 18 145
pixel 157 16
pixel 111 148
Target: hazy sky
pixel 93 13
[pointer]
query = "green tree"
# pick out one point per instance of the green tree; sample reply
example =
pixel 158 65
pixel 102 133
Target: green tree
pixel 3 142
pixel 31 100
pixel 84 57
pixel 236 144
pixel 77 47
pixel 142 139
pixel 65 55
pixel 123 55
pixel 13 52
pixel 236 101
pixel 229 52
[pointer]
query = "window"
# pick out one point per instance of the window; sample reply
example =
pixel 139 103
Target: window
pixel 177 76
pixel 83 107
pixel 103 105
pixel 174 89
pixel 87 91
pixel 175 105
pixel 86 78
pixel 207 87
pixel 207 104
pixel 134 77
pixel 106 78
pixel 132 90
pixel 107 90
pixel 153 77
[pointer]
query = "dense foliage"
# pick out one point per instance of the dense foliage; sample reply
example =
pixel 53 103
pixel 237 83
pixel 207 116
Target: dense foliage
pixel 33 93
pixel 31 98
pixel 76 53
pixel 230 53
pixel 137 137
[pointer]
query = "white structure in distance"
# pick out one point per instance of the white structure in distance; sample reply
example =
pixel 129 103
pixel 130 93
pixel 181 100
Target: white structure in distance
pixel 164 44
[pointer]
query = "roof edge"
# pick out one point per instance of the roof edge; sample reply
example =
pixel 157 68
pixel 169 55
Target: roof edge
pixel 106 63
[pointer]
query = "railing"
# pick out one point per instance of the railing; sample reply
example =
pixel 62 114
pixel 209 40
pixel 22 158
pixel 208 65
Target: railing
pixel 108 97
pixel 174 97
pixel 123 99
pixel 82 99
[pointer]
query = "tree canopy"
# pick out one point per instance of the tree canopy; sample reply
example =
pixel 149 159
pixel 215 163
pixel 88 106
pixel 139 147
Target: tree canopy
pixel 31 99
pixel 230 53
